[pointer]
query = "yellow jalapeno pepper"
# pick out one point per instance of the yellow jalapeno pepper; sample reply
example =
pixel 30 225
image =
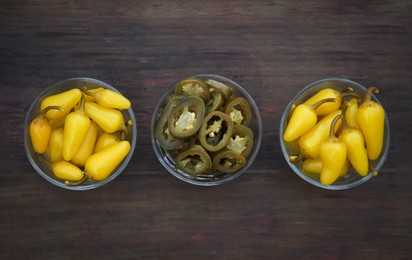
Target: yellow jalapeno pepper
pixel 76 125
pixel 101 164
pixel 333 155
pixel 55 147
pixel 40 130
pixel 109 98
pixel 87 147
pixel 315 166
pixel 66 100
pixel 329 107
pixel 105 140
pixel 309 143
pixel 351 111
pixel 371 121
pixel 67 171
pixel 109 119
pixel 303 118
pixel 355 145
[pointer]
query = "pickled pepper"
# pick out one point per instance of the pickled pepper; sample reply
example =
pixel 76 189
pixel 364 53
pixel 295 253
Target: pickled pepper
pixel 371 121
pixel 333 155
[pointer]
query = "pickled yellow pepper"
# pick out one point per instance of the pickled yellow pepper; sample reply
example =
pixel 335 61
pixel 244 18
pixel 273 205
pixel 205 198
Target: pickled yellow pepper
pixel 66 100
pixel 55 147
pixel 309 143
pixel 371 121
pixel 351 111
pixel 333 155
pixel 76 125
pixel 303 118
pixel 67 171
pixel 105 140
pixel 315 166
pixel 109 119
pixel 40 130
pixel 356 150
pixel 87 147
pixel 329 107
pixel 101 164
pixel 109 98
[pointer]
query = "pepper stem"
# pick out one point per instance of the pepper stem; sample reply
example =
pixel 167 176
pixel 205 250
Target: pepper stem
pixel 344 108
pixel 46 109
pixel 82 101
pixel 351 94
pixel 373 170
pixel 333 125
pixel 369 93
pixel 91 92
pixel 321 102
pixel 76 183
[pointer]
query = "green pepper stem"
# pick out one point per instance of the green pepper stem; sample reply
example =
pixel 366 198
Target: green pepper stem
pixel 344 108
pixel 373 170
pixel 82 101
pixel 351 94
pixel 321 102
pixel 88 92
pixel 333 125
pixel 369 93
pixel 347 89
pixel 46 109
pixel 76 183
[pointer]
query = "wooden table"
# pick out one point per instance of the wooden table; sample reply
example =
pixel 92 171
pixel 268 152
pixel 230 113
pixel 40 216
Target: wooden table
pixel 273 49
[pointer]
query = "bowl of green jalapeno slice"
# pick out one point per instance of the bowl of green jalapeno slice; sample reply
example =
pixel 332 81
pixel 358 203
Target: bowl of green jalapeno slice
pixel 206 130
pixel 52 170
pixel 303 152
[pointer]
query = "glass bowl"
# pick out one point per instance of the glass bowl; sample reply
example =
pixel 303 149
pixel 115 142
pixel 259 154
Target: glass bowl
pixel 166 158
pixel 43 168
pixel 352 178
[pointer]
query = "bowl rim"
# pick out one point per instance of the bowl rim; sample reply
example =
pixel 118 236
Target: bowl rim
pixel 304 176
pixel 251 157
pixel 55 182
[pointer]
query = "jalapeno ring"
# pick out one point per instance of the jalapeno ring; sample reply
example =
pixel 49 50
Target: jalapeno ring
pixel 194 160
pixel 228 161
pixel 239 111
pixel 187 117
pixel 162 133
pixel 225 90
pixel 241 140
pixel 215 102
pixel 216 131
pixel 193 87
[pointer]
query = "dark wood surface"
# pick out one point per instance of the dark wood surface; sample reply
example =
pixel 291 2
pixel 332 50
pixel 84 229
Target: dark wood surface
pixel 273 49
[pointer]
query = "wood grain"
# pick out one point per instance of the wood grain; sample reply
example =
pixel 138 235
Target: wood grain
pixel 273 49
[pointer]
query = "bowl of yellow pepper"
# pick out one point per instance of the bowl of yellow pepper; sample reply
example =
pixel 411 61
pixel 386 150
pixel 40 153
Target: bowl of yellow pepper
pixel 334 134
pixel 80 133
pixel 206 130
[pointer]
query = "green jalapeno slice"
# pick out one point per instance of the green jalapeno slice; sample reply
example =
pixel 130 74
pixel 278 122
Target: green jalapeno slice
pixel 194 160
pixel 162 133
pixel 193 87
pixel 238 109
pixel 215 102
pixel 228 161
pixel 241 140
pixel 224 89
pixel 216 130
pixel 186 117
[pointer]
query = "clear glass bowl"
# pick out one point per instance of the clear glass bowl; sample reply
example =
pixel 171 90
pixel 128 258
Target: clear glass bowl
pixel 40 166
pixel 352 178
pixel 166 158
